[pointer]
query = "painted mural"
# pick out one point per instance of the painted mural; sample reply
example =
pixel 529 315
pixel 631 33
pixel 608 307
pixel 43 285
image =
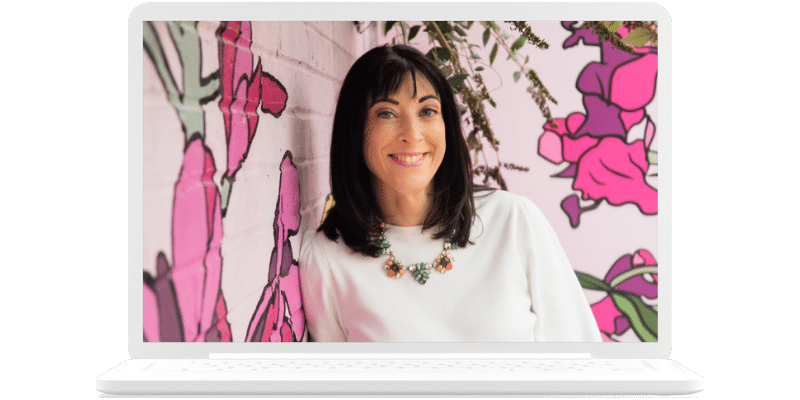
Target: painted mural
pixel 606 150
pixel 184 300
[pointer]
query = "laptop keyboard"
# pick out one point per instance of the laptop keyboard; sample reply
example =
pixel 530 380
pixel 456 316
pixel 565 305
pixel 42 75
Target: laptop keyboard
pixel 397 365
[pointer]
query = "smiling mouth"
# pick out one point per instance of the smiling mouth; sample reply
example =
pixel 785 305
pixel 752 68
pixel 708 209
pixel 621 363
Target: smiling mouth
pixel 408 159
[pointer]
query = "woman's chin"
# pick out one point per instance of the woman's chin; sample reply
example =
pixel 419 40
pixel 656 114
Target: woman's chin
pixel 411 185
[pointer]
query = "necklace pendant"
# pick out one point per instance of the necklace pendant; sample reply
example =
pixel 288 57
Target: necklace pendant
pixel 394 269
pixel 421 273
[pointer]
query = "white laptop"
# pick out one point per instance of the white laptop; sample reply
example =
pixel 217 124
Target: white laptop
pixel 219 310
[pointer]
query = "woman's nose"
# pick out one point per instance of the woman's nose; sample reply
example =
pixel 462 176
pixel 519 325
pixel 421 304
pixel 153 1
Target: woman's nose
pixel 411 131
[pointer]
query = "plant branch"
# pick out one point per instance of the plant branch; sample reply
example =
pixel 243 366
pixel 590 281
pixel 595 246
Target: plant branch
pixel 600 30
pixel 537 89
pixel 474 103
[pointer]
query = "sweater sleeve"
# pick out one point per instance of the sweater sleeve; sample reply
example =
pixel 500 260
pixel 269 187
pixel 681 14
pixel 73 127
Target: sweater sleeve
pixel 320 305
pixel 563 313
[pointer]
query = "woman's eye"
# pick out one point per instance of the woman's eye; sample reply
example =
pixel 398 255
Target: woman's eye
pixel 429 112
pixel 385 114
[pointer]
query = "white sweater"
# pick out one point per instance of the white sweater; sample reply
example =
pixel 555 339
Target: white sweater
pixel 514 284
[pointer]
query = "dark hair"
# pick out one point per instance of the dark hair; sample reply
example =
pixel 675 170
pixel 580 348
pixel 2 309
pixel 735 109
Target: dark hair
pixel 376 74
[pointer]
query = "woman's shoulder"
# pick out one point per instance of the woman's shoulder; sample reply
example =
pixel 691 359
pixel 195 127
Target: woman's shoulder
pixel 315 254
pixel 316 244
pixel 500 206
pixel 501 200
pixel 316 241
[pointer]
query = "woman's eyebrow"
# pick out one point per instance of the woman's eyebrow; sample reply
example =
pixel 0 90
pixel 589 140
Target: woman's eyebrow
pixel 386 99
pixel 430 96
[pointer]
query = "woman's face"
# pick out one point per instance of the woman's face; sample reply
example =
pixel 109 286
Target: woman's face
pixel 404 138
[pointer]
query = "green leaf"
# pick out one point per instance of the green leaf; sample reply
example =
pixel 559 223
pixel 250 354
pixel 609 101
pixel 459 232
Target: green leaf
pixel 387 26
pixel 453 37
pixel 644 319
pixel 591 283
pixel 633 272
pixel 478 68
pixel 413 32
pixel 613 26
pixel 444 26
pixel 460 31
pixel 637 38
pixel 457 81
pixel 486 34
pixel 517 74
pixel 518 43
pixel 493 54
pixel 439 53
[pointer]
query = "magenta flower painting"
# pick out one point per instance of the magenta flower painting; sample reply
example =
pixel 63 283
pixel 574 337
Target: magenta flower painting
pixel 242 88
pixel 183 301
pixel 607 147
pixel 279 314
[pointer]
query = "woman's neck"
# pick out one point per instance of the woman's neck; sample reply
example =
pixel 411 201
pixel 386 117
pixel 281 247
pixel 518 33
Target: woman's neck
pixel 404 209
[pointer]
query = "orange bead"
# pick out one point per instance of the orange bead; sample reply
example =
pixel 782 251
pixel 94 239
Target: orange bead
pixel 389 263
pixel 402 272
pixel 449 266
pixel 391 273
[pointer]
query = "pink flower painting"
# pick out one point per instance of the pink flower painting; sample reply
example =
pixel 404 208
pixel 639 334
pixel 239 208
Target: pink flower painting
pixel 279 314
pixel 183 301
pixel 606 148
pixel 632 278
pixel 242 89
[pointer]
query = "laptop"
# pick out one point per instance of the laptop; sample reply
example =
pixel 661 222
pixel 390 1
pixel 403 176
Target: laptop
pixel 220 310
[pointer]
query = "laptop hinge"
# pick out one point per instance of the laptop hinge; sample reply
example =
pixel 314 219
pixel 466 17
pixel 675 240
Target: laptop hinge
pixel 399 356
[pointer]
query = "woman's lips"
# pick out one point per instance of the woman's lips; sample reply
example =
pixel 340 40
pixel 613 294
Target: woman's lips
pixel 408 159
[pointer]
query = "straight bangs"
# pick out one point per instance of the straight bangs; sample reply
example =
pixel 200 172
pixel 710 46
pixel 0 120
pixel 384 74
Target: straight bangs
pixel 386 80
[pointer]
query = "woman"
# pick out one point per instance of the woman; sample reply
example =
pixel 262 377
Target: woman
pixel 407 253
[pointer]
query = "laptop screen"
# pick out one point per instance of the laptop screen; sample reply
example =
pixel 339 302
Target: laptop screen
pixel 237 125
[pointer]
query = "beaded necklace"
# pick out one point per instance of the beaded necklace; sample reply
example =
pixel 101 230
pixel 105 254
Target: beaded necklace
pixel 420 271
